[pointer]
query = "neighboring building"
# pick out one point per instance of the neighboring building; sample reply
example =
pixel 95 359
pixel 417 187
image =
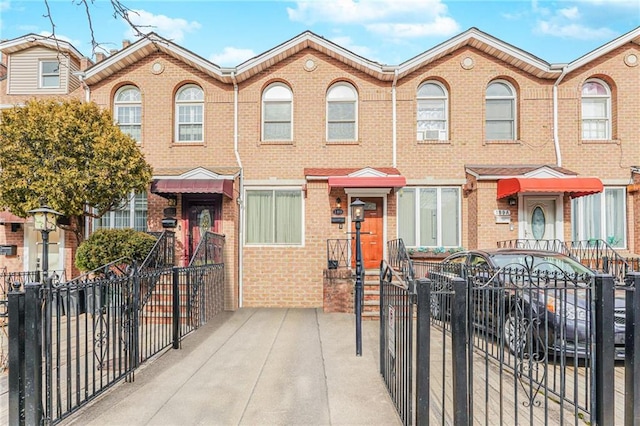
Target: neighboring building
pixel 472 142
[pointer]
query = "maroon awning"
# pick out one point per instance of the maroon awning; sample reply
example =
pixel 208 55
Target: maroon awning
pixel 367 182
pixel 575 186
pixel 192 186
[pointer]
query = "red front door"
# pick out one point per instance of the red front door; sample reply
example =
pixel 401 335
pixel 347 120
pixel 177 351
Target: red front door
pixel 203 216
pixel 371 233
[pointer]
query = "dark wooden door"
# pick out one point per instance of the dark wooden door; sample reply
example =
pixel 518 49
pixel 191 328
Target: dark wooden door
pixel 371 233
pixel 202 217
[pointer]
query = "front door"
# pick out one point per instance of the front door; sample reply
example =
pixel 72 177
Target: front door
pixel 203 216
pixel 33 239
pixel 371 233
pixel 540 218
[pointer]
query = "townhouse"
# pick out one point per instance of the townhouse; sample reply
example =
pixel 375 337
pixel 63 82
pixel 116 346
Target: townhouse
pixel 472 142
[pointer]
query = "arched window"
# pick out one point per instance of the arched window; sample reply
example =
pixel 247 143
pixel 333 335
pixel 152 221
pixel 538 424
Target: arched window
pixel 190 114
pixel 432 111
pixel 596 110
pixel 127 110
pixel 342 113
pixel 500 111
pixel 277 113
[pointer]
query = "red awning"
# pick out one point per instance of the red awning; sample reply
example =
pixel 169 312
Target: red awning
pixel 193 186
pixel 8 217
pixel 367 182
pixel 576 187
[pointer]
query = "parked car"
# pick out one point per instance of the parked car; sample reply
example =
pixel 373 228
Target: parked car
pixel 536 301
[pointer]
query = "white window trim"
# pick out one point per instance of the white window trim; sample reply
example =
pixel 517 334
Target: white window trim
pixel 603 223
pixel 41 74
pixel 355 112
pixel 117 104
pixel 438 215
pixel 132 214
pixel 514 98
pixel 444 136
pixel 302 214
pixel 177 104
pixel 264 102
pixel 608 128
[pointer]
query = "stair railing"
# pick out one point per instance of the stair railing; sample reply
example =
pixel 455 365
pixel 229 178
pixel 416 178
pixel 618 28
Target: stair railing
pixel 338 252
pixel 209 250
pixel 600 256
pixel 531 244
pixel 399 259
pixel 162 255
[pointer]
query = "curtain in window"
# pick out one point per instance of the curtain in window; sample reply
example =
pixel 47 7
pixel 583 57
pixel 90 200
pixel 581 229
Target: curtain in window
pixel 277 121
pixel 591 217
pixel 259 217
pixel 406 216
pixel 288 219
pixel 428 217
pixel 342 116
pixel 450 217
pixel 615 217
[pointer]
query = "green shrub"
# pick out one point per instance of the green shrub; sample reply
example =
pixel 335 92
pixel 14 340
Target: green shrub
pixel 106 245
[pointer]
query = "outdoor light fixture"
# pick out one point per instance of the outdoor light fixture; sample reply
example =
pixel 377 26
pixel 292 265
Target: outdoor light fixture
pixel 512 201
pixel 357 211
pixel 338 203
pixel 357 216
pixel 45 221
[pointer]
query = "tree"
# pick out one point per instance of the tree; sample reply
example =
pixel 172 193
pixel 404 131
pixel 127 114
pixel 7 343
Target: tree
pixel 69 155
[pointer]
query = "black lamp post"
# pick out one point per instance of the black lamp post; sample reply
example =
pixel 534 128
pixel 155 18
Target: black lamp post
pixel 45 221
pixel 357 216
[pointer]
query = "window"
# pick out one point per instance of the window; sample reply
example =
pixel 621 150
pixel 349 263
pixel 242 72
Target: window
pixel 342 110
pixel 500 111
pixel 128 110
pixel 596 110
pixel 189 114
pixel 429 217
pixel 49 74
pixel 601 216
pixel 432 112
pixel 276 113
pixel 274 216
pixel 132 213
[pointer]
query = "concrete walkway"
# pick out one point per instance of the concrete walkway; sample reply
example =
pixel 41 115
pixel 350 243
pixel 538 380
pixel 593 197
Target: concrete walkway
pixel 256 367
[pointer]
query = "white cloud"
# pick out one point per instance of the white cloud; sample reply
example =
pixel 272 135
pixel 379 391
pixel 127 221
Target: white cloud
pixel 353 11
pixel 5 5
pixel 571 13
pixel 439 27
pixel 231 56
pixel 171 28
pixel 347 43
pixel 575 31
pixel 608 3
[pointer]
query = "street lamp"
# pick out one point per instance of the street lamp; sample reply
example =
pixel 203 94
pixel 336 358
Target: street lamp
pixel 45 221
pixel 357 216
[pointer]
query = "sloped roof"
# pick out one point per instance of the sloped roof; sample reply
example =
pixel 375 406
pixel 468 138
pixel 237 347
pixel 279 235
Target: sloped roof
pixel 512 170
pixel 632 36
pixel 145 46
pixel 33 40
pixel 322 172
pixel 483 42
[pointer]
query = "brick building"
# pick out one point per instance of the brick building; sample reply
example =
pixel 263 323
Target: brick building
pixel 472 142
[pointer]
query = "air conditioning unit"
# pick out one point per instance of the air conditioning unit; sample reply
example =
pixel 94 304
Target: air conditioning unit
pixel 439 135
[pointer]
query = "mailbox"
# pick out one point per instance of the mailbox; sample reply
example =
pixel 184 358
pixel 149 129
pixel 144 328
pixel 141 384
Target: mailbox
pixel 169 222
pixel 8 250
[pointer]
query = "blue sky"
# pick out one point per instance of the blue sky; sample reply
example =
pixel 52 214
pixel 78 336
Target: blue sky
pixel 386 31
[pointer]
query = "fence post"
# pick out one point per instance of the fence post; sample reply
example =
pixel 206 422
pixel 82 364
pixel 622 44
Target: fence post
pixel 33 354
pixel 459 327
pixel 632 352
pixel 176 307
pixel 423 351
pixel 15 311
pixel 604 351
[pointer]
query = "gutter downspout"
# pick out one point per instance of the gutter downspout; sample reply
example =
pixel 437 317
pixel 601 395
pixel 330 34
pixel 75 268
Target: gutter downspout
pixel 241 190
pixel 394 119
pixel 556 138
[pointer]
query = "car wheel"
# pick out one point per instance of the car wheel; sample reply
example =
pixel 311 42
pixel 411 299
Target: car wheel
pixel 521 336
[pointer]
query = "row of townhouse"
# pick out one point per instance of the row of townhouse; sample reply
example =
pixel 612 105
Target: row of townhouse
pixel 472 142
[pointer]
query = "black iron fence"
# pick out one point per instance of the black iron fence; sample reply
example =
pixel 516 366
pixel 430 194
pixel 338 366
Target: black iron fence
pixel 209 250
pixel 71 341
pixel 162 255
pixel 338 253
pixel 510 347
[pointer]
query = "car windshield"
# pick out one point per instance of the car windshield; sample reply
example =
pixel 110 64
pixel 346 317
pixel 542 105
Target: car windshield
pixel 541 262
